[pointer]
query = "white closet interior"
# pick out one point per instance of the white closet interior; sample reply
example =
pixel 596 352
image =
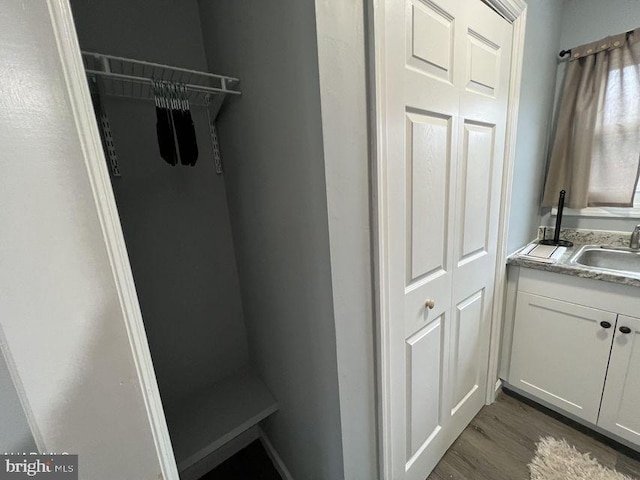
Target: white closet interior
pixel 222 349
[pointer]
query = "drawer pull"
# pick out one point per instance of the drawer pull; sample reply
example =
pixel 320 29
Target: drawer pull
pixel 605 324
pixel 625 330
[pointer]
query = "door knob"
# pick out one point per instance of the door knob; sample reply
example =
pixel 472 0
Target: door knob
pixel 605 324
pixel 625 330
pixel 429 304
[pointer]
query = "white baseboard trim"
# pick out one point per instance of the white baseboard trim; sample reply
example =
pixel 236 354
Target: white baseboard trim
pixel 223 453
pixel 492 395
pixel 273 455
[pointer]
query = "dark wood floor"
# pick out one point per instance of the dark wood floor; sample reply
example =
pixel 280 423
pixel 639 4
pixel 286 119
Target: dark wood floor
pixel 500 442
pixel 497 445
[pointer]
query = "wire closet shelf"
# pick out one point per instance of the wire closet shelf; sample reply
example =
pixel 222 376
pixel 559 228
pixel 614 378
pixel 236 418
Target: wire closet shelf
pixel 126 77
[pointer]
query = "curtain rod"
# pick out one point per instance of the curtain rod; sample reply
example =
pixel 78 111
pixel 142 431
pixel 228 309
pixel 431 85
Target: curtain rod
pixel 564 53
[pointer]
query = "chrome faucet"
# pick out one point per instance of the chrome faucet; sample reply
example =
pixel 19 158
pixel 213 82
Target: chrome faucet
pixel 635 238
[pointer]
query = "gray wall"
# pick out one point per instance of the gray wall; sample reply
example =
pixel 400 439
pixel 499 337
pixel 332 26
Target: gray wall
pixel 15 435
pixel 64 330
pixel 552 26
pixel 536 103
pixel 175 219
pixel 586 21
pixel 271 142
pixel 621 224
pixel 343 92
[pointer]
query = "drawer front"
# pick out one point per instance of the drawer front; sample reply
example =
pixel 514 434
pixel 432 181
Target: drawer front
pixel 612 297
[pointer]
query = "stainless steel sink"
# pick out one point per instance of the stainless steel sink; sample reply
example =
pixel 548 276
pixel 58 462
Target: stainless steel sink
pixel 612 259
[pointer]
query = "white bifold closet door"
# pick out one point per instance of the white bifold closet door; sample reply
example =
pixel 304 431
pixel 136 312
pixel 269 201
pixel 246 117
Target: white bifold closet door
pixel 447 73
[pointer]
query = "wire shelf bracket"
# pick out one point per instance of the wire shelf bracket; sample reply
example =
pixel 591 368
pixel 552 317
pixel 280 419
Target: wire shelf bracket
pixel 104 126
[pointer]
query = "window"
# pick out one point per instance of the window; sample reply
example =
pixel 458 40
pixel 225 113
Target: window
pixel 615 138
pixel 597 143
pixel 616 133
pixel 605 212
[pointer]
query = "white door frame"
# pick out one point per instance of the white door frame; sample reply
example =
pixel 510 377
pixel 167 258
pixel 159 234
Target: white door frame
pixel 514 11
pixel 87 127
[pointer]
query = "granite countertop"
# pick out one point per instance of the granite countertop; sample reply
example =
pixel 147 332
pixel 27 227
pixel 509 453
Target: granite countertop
pixel 579 238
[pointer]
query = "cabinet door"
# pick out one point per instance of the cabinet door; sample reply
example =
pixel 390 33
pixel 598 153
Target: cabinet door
pixel 560 352
pixel 620 411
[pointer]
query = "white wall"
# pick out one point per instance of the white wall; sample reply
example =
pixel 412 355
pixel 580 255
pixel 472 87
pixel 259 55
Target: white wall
pixel 61 317
pixel 586 21
pixel 175 219
pixel 271 139
pixel 542 38
pixel 343 93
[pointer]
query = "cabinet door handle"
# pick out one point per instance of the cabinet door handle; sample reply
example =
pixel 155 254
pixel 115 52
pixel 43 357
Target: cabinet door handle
pixel 430 304
pixel 605 324
pixel 625 330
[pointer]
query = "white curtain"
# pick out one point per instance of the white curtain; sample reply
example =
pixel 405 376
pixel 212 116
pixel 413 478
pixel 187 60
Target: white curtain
pixel 596 151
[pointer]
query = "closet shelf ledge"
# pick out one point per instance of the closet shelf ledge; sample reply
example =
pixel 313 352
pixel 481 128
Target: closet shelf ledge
pixel 127 77
pixel 205 422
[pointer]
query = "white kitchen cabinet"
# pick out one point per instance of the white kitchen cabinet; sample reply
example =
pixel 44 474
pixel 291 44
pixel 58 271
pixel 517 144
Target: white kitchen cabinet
pixel 574 344
pixel 620 411
pixel 560 352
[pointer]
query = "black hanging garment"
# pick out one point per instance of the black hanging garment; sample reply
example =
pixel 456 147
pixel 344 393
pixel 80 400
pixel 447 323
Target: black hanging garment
pixel 185 130
pixel 164 126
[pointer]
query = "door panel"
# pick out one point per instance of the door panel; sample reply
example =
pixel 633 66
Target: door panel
pixel 477 170
pixel 483 60
pixel 424 375
pixel 445 113
pixel 560 353
pixel 467 338
pixel 428 157
pixel 619 410
pixel 483 67
pixel 429 25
